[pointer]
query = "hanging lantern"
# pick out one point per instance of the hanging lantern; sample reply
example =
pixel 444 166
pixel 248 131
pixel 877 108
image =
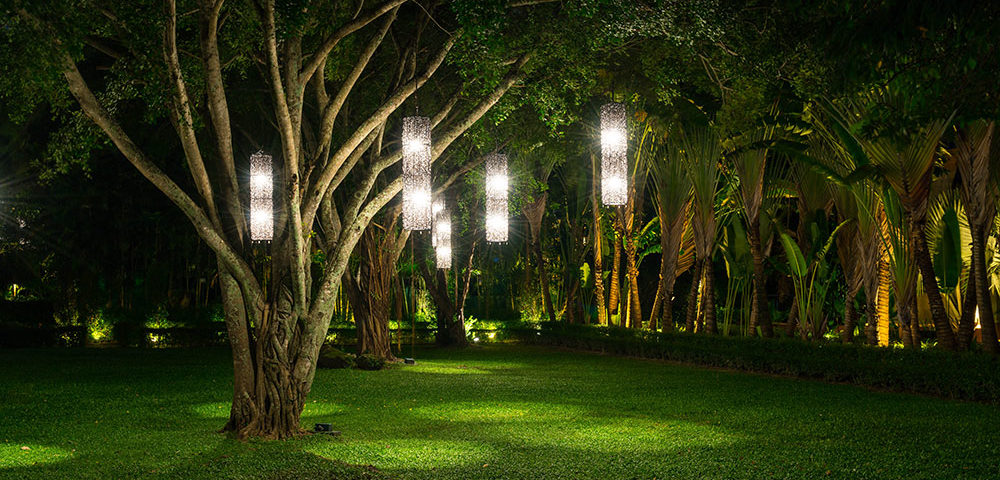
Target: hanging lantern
pixel 436 208
pixel 496 197
pixel 614 150
pixel 442 228
pixel 417 173
pixel 261 201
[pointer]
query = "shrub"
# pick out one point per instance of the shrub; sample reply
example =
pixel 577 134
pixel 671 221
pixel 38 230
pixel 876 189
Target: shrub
pixel 369 362
pixel 969 376
pixel 330 357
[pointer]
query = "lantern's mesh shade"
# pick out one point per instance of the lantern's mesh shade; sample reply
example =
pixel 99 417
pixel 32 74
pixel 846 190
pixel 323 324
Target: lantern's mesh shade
pixel 614 150
pixel 496 197
pixel 261 200
pixel 416 173
pixel 442 229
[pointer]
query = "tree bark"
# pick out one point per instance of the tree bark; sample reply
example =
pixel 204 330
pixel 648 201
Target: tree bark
pixel 759 316
pixel 967 322
pixel 986 321
pixel 598 234
pixel 614 297
pixel 709 295
pixel 693 298
pixel 942 328
pixel 850 316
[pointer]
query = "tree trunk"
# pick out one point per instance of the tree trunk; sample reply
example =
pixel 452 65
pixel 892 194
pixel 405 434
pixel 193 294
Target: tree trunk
pixel 632 275
pixel 543 276
pixel 967 322
pixel 945 336
pixel 615 280
pixel 693 298
pixel 234 310
pixel 907 315
pixel 986 322
pixel 850 316
pixel 709 295
pixel 759 314
pixel 598 233
pixel 881 314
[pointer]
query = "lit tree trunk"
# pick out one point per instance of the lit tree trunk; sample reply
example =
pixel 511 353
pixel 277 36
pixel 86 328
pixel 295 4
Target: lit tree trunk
pixel 945 336
pixel 598 234
pixel 535 213
pixel 881 313
pixel 709 294
pixel 967 322
pixel 671 236
pixel 614 297
pixel 986 321
pixel 693 298
pixel 850 315
pixel 632 275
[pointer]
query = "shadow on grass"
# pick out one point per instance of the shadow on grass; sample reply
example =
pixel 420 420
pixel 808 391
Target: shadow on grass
pixel 494 412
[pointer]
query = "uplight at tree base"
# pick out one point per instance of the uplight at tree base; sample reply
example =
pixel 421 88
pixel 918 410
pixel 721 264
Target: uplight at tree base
pixel 497 184
pixel 416 140
pixel 614 154
pixel 261 197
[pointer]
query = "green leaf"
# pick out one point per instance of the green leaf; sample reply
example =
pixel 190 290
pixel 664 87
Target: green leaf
pixel 796 262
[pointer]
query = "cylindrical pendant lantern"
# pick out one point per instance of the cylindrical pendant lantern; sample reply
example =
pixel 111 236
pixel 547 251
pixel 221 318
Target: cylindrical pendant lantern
pixel 442 229
pixel 436 208
pixel 614 158
pixel 496 197
pixel 417 173
pixel 261 201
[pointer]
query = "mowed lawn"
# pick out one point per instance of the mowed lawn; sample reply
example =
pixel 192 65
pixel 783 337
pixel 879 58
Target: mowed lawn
pixel 490 412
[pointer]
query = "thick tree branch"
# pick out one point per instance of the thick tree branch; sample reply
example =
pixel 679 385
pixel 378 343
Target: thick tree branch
pixel 332 108
pixel 181 114
pixel 319 188
pixel 348 28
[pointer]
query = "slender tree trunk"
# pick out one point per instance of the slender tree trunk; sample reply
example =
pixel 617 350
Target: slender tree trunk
pixel 945 336
pixel 986 321
pixel 850 316
pixel 759 316
pixel 693 298
pixel 632 275
pixel 598 234
pixel 881 314
pixel 543 276
pixel 234 309
pixel 615 280
pixel 709 295
pixel 967 322
pixel 906 315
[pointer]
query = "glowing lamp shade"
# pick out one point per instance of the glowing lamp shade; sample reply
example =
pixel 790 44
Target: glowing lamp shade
pixel 442 248
pixel 416 139
pixel 261 199
pixel 614 158
pixel 496 197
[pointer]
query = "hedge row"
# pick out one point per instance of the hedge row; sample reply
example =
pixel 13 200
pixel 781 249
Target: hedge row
pixel 968 376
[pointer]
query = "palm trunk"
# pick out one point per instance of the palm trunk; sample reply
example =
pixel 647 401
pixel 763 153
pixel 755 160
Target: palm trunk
pixel 709 294
pixel 967 322
pixel 942 328
pixel 850 316
pixel 692 302
pixel 615 280
pixel 881 313
pixel 989 332
pixel 632 275
pixel 543 277
pixel 602 308
pixel 759 315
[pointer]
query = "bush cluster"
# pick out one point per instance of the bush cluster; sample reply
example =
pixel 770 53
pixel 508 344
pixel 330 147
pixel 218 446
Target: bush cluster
pixel 971 375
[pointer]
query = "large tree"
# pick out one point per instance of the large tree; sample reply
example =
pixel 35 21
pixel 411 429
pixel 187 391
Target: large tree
pixel 322 86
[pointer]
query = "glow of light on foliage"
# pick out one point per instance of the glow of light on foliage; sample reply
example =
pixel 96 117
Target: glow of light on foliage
pixel 497 183
pixel 261 199
pixel 442 228
pixel 416 141
pixel 614 150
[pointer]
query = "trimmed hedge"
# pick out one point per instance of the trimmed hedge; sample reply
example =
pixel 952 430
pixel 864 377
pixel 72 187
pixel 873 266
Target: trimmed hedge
pixel 967 376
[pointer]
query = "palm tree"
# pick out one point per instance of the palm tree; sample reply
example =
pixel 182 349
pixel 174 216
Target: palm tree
pixel 701 148
pixel 749 165
pixel 904 158
pixel 977 166
pixel 672 188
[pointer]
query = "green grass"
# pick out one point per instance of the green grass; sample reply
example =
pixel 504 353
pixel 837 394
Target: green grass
pixel 492 412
